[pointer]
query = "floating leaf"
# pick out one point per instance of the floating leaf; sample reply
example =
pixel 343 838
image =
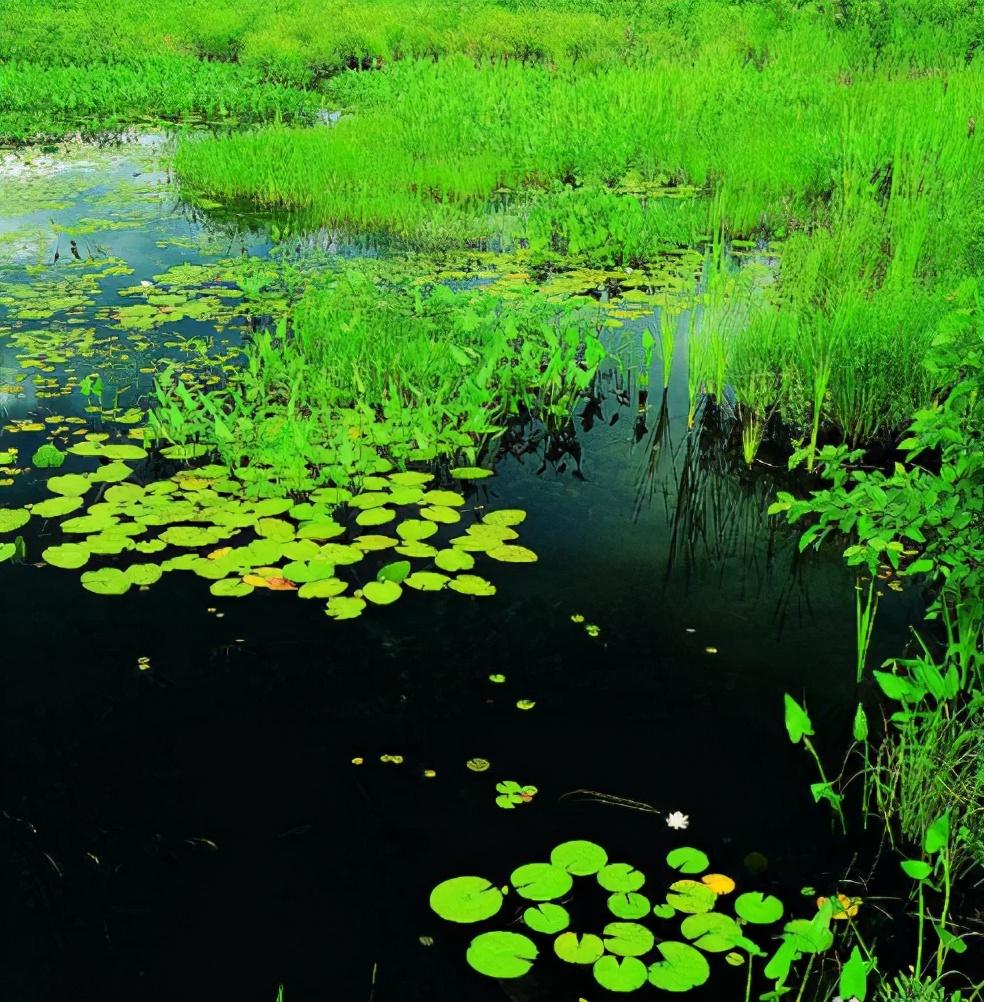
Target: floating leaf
pixel 579 857
pixel 382 592
pixel 443 499
pixel 525 704
pixel 541 881
pixel 621 877
pixel 70 556
pixel 56 507
pixel 111 473
pixel 686 859
pixel 629 906
pixel 106 581
pixel 276 529
pixel 477 764
pixel 13 518
pixel 231 588
pixel 322 588
pixel 454 559
pixel 547 918
pixel 502 954
pixel 713 932
pixel 375 516
pixel 664 911
pixel 513 554
pixel 416 529
pixel 343 607
pixel 470 473
pixel 426 581
pixel 691 897
pixel 758 908
pixel 628 939
pixel 395 572
pixel 505 516
pixel 144 575
pixel 626 975
pixel 7 550
pixel 466 899
pixel 48 457
pixel 681 968
pixel 718 883
pixel 438 513
pixel 577 949
pixel 472 584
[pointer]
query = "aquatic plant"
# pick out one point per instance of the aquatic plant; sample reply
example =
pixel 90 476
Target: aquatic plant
pixel 613 953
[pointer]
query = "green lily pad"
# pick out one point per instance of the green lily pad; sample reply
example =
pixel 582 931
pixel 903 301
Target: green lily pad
pixel 808 936
pixel 323 529
pixel 621 877
pixel 502 954
pixel 426 581
pixel 106 581
pixel 410 478
pixel 578 949
pixel 470 473
pixel 758 908
pixel 681 968
pixel 713 932
pixel 231 588
pixel 382 592
pixel 443 499
pixel 691 897
pixel 453 559
pixel 375 516
pixel 277 529
pixel 628 939
pixel 579 857
pixel 438 513
pixel 416 529
pixel 505 516
pixel 111 473
pixel 629 906
pixel 144 574
pixel 395 572
pixel 625 975
pixel 547 918
pixel 190 451
pixel 48 457
pixel 70 556
pixel 322 588
pixel 71 484
pixel 345 607
pixel 513 554
pixel 56 507
pixel 472 584
pixel 541 881
pixel 664 911
pixel 7 550
pixel 13 518
pixel 190 535
pixel 688 860
pixel 466 899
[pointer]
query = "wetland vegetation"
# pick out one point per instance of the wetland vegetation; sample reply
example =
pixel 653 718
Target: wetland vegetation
pixel 605 378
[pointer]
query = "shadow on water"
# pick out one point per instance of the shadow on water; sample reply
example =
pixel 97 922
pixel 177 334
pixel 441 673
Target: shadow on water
pixel 197 829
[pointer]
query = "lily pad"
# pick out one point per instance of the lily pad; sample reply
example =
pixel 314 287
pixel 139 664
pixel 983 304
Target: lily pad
pixel 454 559
pixel 426 581
pixel 472 584
pixel 7 550
pixel 681 968
pixel 13 518
pixel 375 516
pixel 686 859
pixel 48 457
pixel 628 939
pixel 502 954
pixel 466 899
pixel 629 906
pixel 505 516
pixel 382 592
pixel 70 556
pixel 625 975
pixel 758 908
pixel 579 857
pixel 547 918
pixel 713 932
pixel 231 588
pixel 621 877
pixel 106 581
pixel 71 484
pixel 144 574
pixel 691 897
pixel 541 881
pixel 345 607
pixel 578 949
pixel 322 588
pixel 513 554
pixel 470 473
pixel 56 507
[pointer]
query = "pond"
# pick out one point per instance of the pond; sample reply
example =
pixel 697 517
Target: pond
pixel 207 797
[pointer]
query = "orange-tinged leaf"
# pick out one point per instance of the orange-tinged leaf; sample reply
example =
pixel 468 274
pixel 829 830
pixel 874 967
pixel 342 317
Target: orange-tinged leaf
pixel 280 584
pixel 718 883
pixel 256 580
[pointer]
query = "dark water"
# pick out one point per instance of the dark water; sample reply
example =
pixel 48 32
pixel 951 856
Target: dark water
pixel 198 830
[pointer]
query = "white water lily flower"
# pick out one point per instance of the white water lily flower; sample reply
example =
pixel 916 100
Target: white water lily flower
pixel 677 820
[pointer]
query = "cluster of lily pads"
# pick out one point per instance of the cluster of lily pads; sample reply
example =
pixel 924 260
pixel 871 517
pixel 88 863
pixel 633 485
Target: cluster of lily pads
pixel 292 544
pixel 696 924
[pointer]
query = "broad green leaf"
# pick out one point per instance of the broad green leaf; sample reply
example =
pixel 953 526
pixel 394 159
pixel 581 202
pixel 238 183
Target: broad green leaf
pixel 854 977
pixel 502 954
pixel 758 908
pixel 629 906
pixel 541 881
pixel 628 939
pixel 798 723
pixel 578 949
pixel 107 581
pixel 691 897
pixel 681 968
pixel 625 975
pixel 579 857
pixel 688 860
pixel 70 556
pixel 916 869
pixel 547 918
pixel 466 899
pixel 12 519
pixel 382 592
